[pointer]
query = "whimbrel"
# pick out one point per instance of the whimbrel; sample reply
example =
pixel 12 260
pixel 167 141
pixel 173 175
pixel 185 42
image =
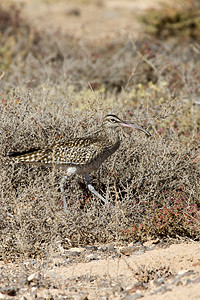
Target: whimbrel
pixel 80 155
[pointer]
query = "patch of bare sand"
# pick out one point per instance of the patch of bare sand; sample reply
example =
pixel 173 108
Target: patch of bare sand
pixel 89 20
pixel 177 257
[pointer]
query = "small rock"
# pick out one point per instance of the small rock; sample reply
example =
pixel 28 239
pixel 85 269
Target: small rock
pixel 197 280
pixel 175 280
pixel 161 290
pixel 137 286
pixel 74 12
pixel 151 243
pixel 158 282
pixel 31 277
pixel 91 248
pixel 186 281
pixel 92 257
pixel 131 244
pixel 103 248
pixel 127 250
pixel 153 247
pixel 111 247
pixel 116 289
pixel 34 289
pixel 182 273
pixel 116 255
pixel 179 283
pixel 80 297
pixel 140 252
pixel 133 297
pixel 138 244
pixel 76 250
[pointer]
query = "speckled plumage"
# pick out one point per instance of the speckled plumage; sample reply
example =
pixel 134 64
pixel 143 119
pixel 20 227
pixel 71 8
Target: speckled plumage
pixel 80 155
pixel 86 154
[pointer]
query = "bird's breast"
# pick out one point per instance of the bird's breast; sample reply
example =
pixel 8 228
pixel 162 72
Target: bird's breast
pixel 98 158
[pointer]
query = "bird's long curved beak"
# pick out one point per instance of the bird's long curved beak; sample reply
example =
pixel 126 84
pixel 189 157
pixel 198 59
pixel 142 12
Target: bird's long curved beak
pixel 135 127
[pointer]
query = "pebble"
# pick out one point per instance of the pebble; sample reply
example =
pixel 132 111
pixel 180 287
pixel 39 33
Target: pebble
pixel 136 287
pixel 186 281
pixel 151 243
pixel 111 247
pixel 133 297
pixel 80 297
pixel 127 250
pixel 103 248
pixel 179 283
pixel 158 282
pixel 90 248
pixel 117 289
pixel 162 290
pixel 197 280
pixel 182 273
pixel 116 255
pixel 34 289
pixel 31 277
pixel 175 280
pixel 76 250
pixel 92 257
pixel 153 247
pixel 74 12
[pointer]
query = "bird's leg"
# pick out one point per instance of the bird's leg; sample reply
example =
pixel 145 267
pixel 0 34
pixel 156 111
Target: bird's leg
pixel 92 189
pixel 62 188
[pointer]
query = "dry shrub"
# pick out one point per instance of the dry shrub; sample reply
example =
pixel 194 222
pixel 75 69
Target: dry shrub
pixel 180 20
pixel 31 59
pixel 151 182
pixel 145 274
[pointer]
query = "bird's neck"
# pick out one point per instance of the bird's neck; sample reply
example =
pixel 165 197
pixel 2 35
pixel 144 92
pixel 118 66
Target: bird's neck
pixel 111 134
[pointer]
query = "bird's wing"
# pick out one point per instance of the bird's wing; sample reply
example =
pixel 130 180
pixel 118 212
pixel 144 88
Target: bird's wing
pixel 79 151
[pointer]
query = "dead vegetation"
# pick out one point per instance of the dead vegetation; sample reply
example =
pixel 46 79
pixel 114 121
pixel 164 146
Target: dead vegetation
pixel 180 21
pixel 53 91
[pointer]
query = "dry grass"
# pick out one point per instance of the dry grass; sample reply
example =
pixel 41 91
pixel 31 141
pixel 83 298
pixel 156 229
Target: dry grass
pixel 180 20
pixel 153 183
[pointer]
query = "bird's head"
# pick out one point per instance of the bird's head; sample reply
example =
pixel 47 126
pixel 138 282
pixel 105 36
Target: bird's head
pixel 112 121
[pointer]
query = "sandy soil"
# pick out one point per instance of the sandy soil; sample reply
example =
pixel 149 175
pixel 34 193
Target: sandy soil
pixel 108 278
pixel 78 273
pixel 90 20
pixel 176 257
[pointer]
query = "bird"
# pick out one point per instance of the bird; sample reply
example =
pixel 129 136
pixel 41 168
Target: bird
pixel 80 155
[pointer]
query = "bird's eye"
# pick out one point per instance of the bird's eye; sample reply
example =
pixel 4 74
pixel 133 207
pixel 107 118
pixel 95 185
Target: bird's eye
pixel 113 120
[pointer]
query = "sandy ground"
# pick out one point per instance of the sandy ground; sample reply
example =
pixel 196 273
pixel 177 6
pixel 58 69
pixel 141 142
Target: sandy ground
pixel 176 257
pixel 78 273
pixel 108 278
pixel 89 20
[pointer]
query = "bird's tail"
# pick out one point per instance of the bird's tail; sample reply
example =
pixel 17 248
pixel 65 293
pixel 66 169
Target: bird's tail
pixel 31 156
